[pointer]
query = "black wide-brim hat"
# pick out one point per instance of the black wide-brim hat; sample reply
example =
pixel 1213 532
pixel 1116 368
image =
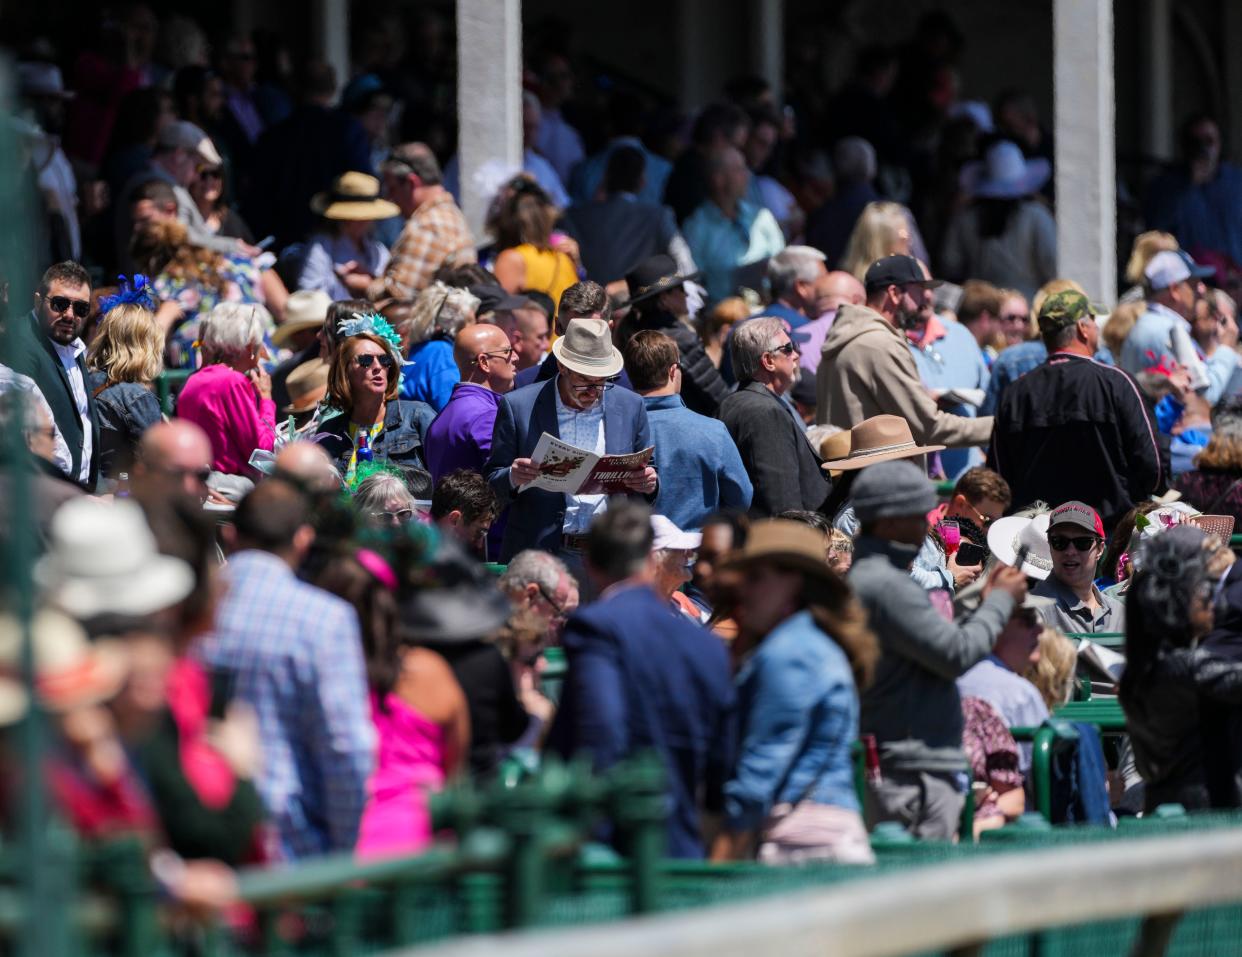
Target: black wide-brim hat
pixel 652 276
pixel 455 600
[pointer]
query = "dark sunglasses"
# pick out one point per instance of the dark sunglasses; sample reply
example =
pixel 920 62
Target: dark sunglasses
pixel 1013 317
pixel 211 174
pixel 1082 543
pixel 365 361
pixel 788 349
pixel 81 308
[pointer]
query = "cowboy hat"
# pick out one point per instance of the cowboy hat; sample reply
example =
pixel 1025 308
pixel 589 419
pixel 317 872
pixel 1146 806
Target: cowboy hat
pixel 103 560
pixel 1007 536
pixel 880 438
pixel 835 446
pixel 786 543
pixel 70 671
pixel 306 385
pixel 652 276
pixel 1004 173
pixel 304 309
pixel 586 348
pixel 356 197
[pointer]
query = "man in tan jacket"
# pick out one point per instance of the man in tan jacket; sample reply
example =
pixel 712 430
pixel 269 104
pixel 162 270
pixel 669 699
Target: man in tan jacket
pixel 867 368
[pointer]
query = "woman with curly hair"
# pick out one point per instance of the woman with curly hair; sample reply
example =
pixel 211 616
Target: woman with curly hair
pixel 1167 675
pixel 791 794
pixel 125 358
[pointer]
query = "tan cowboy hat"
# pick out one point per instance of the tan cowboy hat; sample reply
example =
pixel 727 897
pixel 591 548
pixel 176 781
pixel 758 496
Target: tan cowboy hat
pixel 354 196
pixel 70 671
pixel 306 385
pixel 304 309
pixel 835 446
pixel 587 349
pixel 880 438
pixel 788 543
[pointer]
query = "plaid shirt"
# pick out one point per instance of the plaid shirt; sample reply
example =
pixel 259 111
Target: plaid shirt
pixel 434 235
pixel 294 653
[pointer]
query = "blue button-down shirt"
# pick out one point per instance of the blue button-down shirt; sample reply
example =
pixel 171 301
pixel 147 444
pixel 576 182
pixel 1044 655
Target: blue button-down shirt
pixel 585 430
pixel 294 653
pixel 798 716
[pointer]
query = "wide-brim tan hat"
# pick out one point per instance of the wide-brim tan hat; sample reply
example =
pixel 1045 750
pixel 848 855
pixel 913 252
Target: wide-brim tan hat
pixel 356 197
pixel 70 671
pixel 306 385
pixel 586 348
pixel 787 543
pixel 304 309
pixel 881 438
pixel 835 447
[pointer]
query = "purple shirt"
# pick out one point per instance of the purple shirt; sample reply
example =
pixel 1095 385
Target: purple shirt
pixel 461 435
pixel 816 331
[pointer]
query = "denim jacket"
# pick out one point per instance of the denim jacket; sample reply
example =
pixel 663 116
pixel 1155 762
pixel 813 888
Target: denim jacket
pixel 400 442
pixel 126 410
pixel 798 709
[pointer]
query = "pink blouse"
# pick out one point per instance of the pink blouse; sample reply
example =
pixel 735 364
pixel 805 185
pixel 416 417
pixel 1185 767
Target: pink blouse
pixel 410 765
pixel 223 404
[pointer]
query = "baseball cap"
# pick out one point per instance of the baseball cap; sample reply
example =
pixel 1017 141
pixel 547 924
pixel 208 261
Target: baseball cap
pixel 897 271
pixel 1076 513
pixel 1063 309
pixel 666 535
pixel 1169 267
pixel 181 134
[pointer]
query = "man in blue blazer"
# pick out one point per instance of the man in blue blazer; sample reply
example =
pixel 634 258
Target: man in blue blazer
pixel 578 406
pixel 642 678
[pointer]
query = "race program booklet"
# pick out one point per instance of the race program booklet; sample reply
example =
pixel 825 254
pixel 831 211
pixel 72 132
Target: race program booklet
pixel 574 471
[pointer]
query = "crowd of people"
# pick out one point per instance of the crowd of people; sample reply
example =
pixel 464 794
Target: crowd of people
pixel 321 582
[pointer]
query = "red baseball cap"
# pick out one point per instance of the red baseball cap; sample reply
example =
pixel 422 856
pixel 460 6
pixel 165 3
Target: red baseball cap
pixel 1076 513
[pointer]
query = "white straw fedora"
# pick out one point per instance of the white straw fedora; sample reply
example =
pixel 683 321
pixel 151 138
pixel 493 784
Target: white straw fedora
pixel 587 349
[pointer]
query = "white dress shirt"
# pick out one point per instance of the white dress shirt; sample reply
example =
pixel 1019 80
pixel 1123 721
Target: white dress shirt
pixel 69 359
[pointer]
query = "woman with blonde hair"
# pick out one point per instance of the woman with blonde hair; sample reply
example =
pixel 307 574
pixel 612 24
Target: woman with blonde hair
pixel 1053 673
pixel 125 358
pixel 1145 246
pixel 427 334
pixel 883 229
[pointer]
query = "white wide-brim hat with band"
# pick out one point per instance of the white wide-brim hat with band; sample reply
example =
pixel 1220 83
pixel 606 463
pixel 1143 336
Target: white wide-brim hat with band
pixel 586 348
pixel 1008 536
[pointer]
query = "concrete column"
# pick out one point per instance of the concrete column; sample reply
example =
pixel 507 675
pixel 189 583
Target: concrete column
pixel 768 53
pixel 331 33
pixel 489 96
pixel 1157 73
pixel 1085 142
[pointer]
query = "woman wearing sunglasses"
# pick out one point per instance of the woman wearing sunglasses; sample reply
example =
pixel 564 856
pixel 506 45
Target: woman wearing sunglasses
pixel 373 424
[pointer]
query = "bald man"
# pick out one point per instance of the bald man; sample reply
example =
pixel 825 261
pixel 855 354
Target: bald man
pixel 832 291
pixel 306 464
pixel 174 458
pixel 461 435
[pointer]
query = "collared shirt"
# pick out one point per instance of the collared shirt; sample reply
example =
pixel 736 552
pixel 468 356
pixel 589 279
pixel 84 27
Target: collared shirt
pixel 294 653
pixel 720 245
pixel 436 234
pixel 461 435
pixel 585 430
pixel 68 356
pixel 1071 614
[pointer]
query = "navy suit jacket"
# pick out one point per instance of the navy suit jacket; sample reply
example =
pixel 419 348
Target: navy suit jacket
pixel 536 517
pixel 644 678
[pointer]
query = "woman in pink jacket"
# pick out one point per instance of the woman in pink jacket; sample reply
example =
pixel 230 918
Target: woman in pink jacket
pixel 230 397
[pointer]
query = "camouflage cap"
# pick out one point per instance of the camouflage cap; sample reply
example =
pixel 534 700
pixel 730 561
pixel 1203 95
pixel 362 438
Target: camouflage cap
pixel 1063 309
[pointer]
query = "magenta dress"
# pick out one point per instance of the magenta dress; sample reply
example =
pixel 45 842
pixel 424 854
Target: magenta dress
pixel 396 819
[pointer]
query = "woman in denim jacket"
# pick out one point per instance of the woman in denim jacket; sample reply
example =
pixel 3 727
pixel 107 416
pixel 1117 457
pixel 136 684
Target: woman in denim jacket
pixel 125 357
pixel 362 383
pixel 791 797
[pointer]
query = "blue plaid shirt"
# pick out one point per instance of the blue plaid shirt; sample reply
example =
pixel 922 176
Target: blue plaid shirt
pixel 294 653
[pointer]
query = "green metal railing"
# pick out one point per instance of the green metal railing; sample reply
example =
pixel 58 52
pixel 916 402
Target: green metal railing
pixel 168 385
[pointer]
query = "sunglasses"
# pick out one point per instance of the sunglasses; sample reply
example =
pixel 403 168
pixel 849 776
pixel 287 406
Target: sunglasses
pixel 1013 317
pixel 1082 543
pixel 788 349
pixel 365 361
pixel 81 308
pixel 399 517
pixel 213 173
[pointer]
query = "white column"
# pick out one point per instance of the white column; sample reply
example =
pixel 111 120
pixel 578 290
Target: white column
pixel 331 32
pixel 1085 142
pixel 768 24
pixel 1157 73
pixel 489 95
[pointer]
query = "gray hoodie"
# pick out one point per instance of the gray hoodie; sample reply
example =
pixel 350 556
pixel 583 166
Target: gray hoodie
pixel 913 707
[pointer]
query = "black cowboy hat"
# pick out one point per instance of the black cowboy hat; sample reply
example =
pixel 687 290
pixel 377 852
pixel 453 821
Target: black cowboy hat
pixel 652 276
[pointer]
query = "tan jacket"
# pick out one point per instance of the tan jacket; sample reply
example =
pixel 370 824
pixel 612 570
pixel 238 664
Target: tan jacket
pixel 867 370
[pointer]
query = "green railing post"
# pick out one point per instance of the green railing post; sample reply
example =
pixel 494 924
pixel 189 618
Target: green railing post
pixel 639 808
